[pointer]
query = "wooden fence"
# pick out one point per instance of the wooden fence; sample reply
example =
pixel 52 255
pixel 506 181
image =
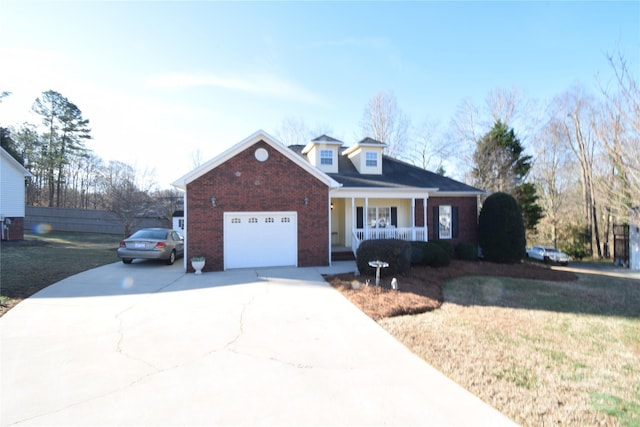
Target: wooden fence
pixel 83 220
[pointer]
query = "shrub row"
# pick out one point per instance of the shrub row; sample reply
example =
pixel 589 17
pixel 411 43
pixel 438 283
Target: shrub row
pixel 432 254
pixel 401 254
pixel 467 251
pixel 396 252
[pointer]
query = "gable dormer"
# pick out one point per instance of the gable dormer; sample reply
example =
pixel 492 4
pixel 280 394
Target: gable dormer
pixel 322 152
pixel 366 156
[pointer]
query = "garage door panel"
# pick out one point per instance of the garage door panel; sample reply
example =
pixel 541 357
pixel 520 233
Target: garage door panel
pixel 260 239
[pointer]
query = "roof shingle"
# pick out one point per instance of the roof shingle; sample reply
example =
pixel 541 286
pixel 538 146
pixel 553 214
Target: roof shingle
pixel 395 174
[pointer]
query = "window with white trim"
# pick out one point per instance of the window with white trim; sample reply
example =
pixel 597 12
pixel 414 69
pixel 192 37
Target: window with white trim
pixel 371 159
pixel 379 217
pixel 376 217
pixel 444 222
pixel 326 157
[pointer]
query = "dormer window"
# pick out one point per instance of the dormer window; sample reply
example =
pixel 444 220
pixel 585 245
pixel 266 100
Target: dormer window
pixel 322 153
pixel 326 157
pixel 366 156
pixel 371 159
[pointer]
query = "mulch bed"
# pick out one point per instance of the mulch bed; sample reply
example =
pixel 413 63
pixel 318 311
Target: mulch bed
pixel 420 290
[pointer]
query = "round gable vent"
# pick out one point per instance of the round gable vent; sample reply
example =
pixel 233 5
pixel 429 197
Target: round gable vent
pixel 261 155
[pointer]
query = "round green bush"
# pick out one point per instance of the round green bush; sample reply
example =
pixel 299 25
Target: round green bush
pixel 430 254
pixel 501 229
pixel 467 251
pixel 446 245
pixel 417 253
pixel 435 256
pixel 394 251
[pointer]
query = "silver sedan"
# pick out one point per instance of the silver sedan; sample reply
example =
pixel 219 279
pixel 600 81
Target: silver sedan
pixel 152 243
pixel 548 254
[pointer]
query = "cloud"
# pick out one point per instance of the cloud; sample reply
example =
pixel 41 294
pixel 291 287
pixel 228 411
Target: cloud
pixel 257 84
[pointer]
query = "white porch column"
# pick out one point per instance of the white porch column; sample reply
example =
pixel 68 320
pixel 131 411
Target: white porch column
pixel 353 218
pixel 365 218
pixel 413 218
pixel 426 226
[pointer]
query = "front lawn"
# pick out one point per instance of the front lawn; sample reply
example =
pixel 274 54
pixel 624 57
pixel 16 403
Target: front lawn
pixel 544 352
pixel 38 261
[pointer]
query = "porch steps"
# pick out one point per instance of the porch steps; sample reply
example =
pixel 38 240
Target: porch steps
pixel 342 255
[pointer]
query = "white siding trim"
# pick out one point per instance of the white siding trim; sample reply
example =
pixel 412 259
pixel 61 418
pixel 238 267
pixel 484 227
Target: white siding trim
pixel 12 186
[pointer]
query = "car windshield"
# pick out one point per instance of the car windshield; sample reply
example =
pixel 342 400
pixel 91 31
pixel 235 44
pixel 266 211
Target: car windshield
pixel 552 250
pixel 149 234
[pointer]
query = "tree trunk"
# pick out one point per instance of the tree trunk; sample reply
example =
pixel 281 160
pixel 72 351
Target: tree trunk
pixel 596 232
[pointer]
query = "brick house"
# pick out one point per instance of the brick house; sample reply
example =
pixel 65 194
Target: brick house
pixel 261 203
pixel 12 196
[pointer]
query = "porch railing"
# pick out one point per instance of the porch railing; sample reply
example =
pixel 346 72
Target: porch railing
pixel 402 233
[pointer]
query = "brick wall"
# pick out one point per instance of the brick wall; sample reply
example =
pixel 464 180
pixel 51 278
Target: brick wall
pixel 243 184
pixel 15 230
pixel 467 216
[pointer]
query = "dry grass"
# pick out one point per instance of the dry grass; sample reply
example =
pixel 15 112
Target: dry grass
pixel 519 346
pixel 544 347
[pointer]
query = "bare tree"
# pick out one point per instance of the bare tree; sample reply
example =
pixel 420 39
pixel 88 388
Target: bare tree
pixel 617 127
pixel 429 150
pixel 166 202
pixel 575 108
pixel 502 105
pixel 471 121
pixel 196 158
pixel 295 131
pixel 124 197
pixel 89 168
pixel 384 121
pixel 552 174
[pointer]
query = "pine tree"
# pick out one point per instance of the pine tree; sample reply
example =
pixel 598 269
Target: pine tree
pixel 501 166
pixel 65 131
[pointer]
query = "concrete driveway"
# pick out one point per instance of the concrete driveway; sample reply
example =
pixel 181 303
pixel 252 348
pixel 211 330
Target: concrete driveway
pixel 600 268
pixel 146 344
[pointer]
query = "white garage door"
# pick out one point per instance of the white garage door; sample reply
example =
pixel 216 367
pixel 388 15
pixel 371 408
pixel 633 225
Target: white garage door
pixel 260 239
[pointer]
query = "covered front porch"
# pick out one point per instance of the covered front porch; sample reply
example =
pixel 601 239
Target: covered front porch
pixel 376 215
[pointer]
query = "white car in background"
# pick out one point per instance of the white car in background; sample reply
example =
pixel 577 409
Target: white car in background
pixel 547 254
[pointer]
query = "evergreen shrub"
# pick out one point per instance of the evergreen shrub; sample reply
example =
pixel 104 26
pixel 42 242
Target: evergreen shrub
pixel 430 254
pixel 467 251
pixel 501 229
pixel 446 245
pixel 393 251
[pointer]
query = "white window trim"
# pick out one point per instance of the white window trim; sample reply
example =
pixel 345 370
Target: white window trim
pixel 326 156
pixel 379 221
pixel 371 156
pixel 445 217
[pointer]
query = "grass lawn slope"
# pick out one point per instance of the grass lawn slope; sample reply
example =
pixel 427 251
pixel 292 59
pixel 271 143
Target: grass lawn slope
pixel 29 265
pixel 545 347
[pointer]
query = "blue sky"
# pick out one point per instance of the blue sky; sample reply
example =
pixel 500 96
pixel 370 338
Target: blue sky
pixel 160 80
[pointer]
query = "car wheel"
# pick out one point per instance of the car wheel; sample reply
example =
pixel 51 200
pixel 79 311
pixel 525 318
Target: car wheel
pixel 172 258
pixel 546 260
pixel 127 260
